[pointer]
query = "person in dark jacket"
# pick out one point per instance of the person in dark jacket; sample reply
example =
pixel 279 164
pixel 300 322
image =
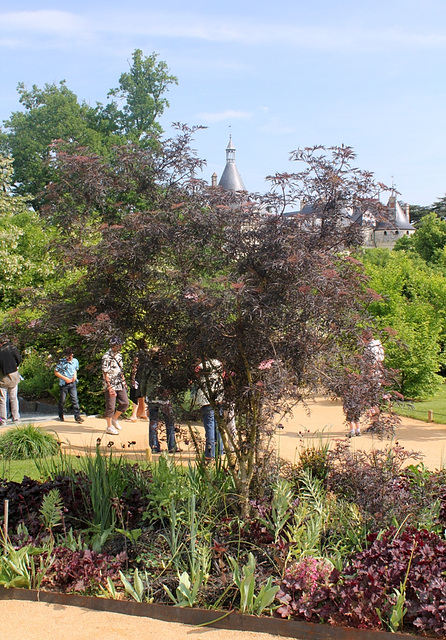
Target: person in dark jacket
pixel 9 378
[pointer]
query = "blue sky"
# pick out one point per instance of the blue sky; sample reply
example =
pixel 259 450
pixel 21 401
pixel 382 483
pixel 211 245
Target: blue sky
pixel 282 75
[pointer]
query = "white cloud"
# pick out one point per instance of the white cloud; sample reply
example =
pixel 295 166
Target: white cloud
pixel 350 36
pixel 219 29
pixel 225 115
pixel 44 22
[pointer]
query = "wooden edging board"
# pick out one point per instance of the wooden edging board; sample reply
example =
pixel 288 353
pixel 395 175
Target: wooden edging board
pixel 197 617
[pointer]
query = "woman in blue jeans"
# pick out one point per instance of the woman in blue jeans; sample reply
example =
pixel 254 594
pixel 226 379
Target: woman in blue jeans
pixel 214 443
pixel 210 383
pixel 165 408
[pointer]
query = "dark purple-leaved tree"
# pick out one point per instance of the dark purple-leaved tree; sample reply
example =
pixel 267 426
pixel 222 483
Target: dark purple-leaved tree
pixel 277 299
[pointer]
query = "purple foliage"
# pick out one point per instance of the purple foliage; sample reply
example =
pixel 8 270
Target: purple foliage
pixel 305 588
pixel 81 571
pixel 367 585
pixel 370 581
pixel 375 481
pixel 25 499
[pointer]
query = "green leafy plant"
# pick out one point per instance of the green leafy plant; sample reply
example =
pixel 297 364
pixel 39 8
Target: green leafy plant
pixel 51 510
pixel 19 567
pixel 169 484
pixel 307 527
pixel 246 582
pixel 28 441
pixel 136 590
pixel 283 496
pixel 186 592
pixel 107 483
pixel 38 375
pixel 314 457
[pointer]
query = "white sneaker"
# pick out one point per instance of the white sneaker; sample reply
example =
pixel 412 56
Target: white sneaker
pixel 116 425
pixel 112 431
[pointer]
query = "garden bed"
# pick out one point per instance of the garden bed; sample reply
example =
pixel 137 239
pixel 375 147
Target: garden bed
pixel 320 544
pixel 202 617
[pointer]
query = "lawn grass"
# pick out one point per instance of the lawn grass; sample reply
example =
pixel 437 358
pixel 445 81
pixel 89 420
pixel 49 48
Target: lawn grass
pixel 16 470
pixel 419 410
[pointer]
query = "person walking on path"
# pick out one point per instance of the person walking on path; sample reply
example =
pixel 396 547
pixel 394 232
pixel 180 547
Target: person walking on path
pixel 10 359
pixel 66 370
pixel 159 403
pixel 210 384
pixel 374 354
pixel 138 384
pixel 115 386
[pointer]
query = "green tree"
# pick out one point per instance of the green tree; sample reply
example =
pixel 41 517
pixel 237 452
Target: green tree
pixel 24 258
pixel 143 89
pixel 429 239
pixel 417 353
pixel 55 114
pixel 413 304
pixel 417 213
pixel 439 207
pixel 49 114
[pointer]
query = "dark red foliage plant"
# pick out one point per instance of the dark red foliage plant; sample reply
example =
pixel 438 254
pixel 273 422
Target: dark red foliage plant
pixel 25 500
pixel 81 571
pixel 376 482
pixel 213 275
pixel 364 594
pixel 368 585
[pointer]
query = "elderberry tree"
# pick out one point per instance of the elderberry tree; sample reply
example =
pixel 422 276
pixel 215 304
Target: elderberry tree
pixel 275 299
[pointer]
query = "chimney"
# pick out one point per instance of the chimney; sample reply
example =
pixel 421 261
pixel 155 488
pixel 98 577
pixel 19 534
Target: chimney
pixel 214 179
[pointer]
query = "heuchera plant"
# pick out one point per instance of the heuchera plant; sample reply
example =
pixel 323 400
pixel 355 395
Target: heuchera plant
pixel 364 594
pixel 304 587
pixel 81 571
pixel 368 585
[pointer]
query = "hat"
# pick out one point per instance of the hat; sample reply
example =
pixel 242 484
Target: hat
pixel 115 340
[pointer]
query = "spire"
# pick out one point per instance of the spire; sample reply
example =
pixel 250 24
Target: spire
pixel 230 179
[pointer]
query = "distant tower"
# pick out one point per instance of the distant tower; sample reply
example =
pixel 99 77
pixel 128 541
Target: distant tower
pixel 230 179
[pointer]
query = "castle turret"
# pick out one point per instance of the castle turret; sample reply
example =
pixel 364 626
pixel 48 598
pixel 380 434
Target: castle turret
pixel 230 178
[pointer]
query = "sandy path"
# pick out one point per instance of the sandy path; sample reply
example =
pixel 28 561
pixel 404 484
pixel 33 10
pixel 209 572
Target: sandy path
pixel 42 621
pixel 325 421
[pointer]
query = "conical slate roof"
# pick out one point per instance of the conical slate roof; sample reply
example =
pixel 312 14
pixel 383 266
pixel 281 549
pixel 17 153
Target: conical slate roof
pixel 230 179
